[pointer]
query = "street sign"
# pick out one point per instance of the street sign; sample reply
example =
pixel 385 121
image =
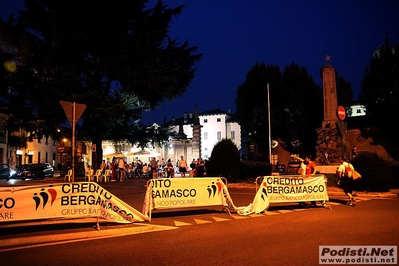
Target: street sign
pixel 60 148
pixel 73 112
pixel 341 128
pixel 68 109
pixel 341 112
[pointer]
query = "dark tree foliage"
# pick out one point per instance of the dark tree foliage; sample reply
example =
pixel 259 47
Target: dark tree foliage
pixel 225 160
pixel 296 107
pixel 115 57
pixel 302 109
pixel 344 92
pixel 375 171
pixel 380 95
pixel 252 102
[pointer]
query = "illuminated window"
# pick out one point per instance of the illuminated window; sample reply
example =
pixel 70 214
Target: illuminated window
pixel 233 134
pixel 219 135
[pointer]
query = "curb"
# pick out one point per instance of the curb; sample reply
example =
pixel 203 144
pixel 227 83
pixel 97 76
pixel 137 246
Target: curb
pixel 334 191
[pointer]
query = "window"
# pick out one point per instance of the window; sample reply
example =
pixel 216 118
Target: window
pixel 218 119
pixel 219 135
pixel 205 120
pixel 205 135
pixel 233 134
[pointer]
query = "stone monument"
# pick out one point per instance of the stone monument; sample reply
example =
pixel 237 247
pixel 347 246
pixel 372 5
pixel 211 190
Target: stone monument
pixel 329 142
pixel 196 135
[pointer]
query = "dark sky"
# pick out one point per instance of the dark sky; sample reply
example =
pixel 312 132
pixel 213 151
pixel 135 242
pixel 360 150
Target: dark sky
pixel 235 34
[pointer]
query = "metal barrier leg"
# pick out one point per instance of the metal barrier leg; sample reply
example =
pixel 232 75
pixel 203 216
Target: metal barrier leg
pixel 326 205
pixel 98 224
pixel 228 209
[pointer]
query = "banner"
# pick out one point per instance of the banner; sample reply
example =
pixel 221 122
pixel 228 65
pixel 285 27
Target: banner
pixel 286 189
pixel 88 199
pixel 65 200
pixel 295 188
pixel 166 193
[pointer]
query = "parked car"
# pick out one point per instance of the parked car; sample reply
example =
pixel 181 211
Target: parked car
pixel 40 170
pixel 5 171
pixel 15 173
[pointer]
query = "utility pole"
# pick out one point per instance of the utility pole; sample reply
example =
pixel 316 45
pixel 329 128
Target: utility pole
pixel 73 112
pixel 270 131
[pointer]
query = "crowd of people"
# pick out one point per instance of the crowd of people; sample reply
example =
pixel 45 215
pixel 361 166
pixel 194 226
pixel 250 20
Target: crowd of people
pixel 197 168
pixel 121 170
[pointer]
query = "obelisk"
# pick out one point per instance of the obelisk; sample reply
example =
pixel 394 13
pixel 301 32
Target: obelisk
pixel 329 94
pixel 196 148
pixel 329 142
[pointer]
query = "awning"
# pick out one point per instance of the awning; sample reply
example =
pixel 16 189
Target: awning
pixel 143 153
pixel 115 154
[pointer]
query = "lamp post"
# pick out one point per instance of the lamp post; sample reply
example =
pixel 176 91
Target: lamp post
pixel 268 117
pixel 61 149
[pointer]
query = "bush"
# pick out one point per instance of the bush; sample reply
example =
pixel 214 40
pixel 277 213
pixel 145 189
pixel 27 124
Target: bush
pixel 394 166
pixel 376 173
pixel 224 161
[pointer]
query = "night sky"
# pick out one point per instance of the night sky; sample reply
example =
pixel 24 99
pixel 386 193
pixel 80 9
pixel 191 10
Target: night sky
pixel 233 35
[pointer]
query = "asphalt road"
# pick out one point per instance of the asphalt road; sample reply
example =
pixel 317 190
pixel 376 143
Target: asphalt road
pixel 284 235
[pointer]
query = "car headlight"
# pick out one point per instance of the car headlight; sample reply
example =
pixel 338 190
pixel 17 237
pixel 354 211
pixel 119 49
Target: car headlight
pixel 13 172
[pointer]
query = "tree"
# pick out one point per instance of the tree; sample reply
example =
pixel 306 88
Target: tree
pixel 225 160
pixel 344 91
pixel 380 95
pixel 296 106
pixel 251 102
pixel 116 58
pixel 302 109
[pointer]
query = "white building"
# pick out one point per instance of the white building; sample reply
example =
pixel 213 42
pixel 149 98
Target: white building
pixel 211 126
pixel 215 125
pixel 357 110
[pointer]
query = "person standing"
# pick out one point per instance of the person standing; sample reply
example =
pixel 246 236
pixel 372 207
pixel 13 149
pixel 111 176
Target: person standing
pixel 113 169
pixel 103 167
pixel 310 166
pixel 163 164
pixel 170 169
pixel 346 179
pixel 193 166
pixel 154 168
pixel 121 166
pixel 302 169
pixel 307 168
pixel 182 166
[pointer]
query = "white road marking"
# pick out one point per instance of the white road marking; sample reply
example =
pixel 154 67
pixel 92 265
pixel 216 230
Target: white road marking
pixel 57 239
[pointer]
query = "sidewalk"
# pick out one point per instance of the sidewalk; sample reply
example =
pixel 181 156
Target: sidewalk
pixel 332 191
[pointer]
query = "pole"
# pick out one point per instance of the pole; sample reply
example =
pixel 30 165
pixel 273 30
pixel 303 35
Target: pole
pixel 73 141
pixel 268 117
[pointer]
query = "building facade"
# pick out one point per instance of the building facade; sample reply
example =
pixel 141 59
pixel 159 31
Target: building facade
pixel 215 125
pixel 194 136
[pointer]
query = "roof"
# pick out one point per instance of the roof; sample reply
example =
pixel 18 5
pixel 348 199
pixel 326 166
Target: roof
pixel 187 120
pixel 217 111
